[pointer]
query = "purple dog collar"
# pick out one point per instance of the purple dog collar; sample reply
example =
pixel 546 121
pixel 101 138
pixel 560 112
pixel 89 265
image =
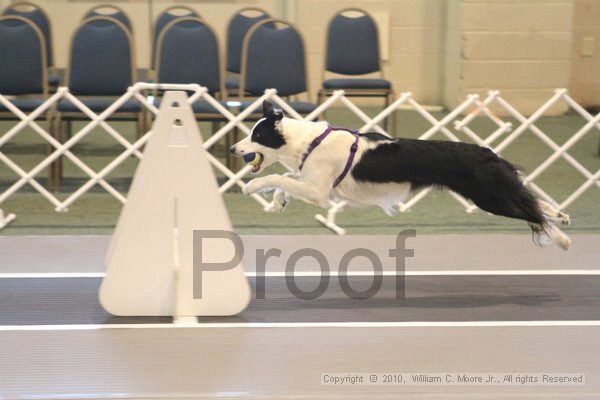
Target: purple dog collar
pixel 317 141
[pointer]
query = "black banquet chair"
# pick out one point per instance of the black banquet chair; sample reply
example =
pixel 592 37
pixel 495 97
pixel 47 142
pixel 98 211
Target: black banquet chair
pixel 111 11
pixel 263 67
pixel 352 49
pixel 164 18
pixel 38 16
pixel 188 53
pixel 101 69
pixel 237 28
pixel 23 68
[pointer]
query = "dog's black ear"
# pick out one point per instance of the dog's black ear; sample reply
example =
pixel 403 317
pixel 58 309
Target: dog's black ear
pixel 268 110
pixel 270 113
pixel 277 115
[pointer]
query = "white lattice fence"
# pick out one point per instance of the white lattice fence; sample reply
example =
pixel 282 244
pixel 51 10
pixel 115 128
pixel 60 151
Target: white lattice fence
pixel 473 107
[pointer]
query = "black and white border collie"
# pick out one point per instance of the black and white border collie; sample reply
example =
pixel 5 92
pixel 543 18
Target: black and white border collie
pixel 384 171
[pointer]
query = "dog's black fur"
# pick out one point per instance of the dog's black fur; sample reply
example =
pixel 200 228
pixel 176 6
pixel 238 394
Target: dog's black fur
pixel 474 172
pixel 265 132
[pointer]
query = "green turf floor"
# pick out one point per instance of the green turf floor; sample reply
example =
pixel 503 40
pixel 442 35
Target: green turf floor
pixel 97 212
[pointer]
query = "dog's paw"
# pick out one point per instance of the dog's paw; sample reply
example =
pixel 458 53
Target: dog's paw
pixel 278 204
pixel 256 185
pixel 251 187
pixel 564 219
pixel 274 207
pixel 280 200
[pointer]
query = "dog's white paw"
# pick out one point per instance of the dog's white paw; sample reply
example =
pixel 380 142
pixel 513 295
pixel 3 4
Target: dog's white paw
pixel 280 200
pixel 274 207
pixel 251 187
pixel 564 219
pixel 256 185
pixel 277 205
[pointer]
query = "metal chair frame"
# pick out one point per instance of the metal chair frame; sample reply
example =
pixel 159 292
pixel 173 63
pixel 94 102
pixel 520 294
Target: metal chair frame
pixel 117 10
pixel 61 117
pixel 48 115
pixel 387 94
pixel 155 35
pixel 238 73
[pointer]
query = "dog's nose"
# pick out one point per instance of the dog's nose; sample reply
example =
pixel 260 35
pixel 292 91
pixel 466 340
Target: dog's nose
pixel 232 150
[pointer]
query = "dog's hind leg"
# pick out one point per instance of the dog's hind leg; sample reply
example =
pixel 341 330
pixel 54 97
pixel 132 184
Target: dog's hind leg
pixel 551 231
pixel 521 204
pixel 554 214
pixel 543 227
pixel 539 237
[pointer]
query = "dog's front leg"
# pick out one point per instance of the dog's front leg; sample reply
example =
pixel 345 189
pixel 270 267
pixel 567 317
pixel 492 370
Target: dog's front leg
pixel 261 184
pixel 280 198
pixel 304 190
pixel 280 201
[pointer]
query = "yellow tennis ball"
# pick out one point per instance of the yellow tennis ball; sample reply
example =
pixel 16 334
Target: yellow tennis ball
pixel 253 158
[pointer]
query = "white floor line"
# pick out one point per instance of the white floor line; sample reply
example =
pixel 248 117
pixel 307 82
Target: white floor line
pixel 434 273
pixel 281 274
pixel 22 275
pixel 274 325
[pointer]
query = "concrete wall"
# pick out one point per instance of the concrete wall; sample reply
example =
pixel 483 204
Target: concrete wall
pixel 522 48
pixel 585 53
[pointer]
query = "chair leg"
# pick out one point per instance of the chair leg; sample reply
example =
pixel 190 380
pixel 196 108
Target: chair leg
pixel 68 135
pixel 57 164
pixel 228 144
pixel 320 99
pixel 140 125
pixel 49 150
pixel 232 162
pixel 393 115
pixel 386 124
pixel 214 149
pixel 145 124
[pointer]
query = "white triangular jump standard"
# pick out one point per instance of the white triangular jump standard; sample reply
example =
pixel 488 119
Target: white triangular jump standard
pixel 150 257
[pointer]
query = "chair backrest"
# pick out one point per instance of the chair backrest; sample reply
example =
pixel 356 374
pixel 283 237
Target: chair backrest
pixel 188 52
pixel 102 59
pixel 23 67
pixel 109 10
pixel 238 27
pixel 273 58
pixel 164 18
pixel 39 17
pixel 352 46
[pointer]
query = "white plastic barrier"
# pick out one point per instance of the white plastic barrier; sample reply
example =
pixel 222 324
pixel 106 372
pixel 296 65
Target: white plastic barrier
pixel 150 266
pixel 459 118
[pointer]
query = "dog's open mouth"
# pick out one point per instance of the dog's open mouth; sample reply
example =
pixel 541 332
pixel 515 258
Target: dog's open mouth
pixel 255 160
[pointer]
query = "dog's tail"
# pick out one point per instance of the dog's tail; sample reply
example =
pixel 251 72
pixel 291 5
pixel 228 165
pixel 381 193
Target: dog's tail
pixel 543 229
pixel 523 199
pixel 530 207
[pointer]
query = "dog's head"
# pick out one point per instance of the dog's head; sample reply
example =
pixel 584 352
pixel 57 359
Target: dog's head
pixel 266 138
